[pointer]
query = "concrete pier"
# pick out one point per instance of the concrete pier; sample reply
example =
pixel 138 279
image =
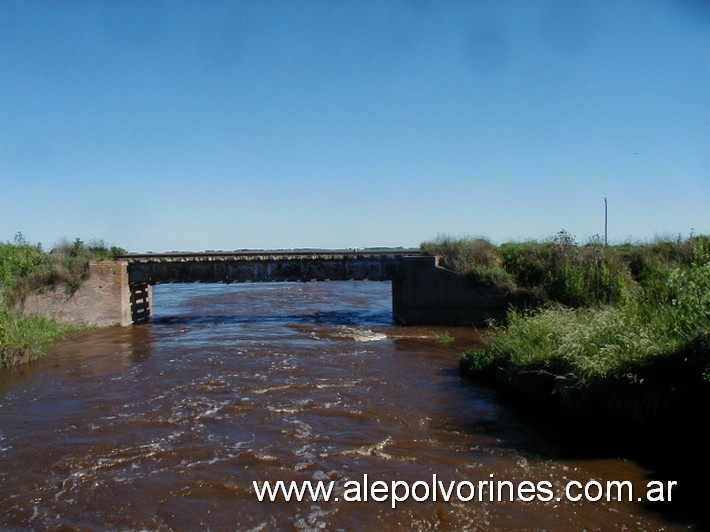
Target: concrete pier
pixel 103 299
pixel 425 294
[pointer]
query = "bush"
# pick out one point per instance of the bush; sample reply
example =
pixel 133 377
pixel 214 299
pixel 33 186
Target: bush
pixel 17 262
pixel 463 255
pixel 573 275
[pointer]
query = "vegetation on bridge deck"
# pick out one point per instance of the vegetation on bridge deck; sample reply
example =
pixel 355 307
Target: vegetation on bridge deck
pixel 614 332
pixel 25 268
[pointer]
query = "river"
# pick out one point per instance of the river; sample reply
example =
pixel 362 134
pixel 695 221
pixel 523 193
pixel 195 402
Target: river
pixel 166 425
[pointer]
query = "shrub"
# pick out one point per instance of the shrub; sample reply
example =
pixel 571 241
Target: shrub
pixel 16 262
pixel 556 271
pixel 463 255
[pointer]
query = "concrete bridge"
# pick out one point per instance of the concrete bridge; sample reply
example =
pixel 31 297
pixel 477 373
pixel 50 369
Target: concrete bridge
pixel 146 270
pixel 119 292
pixel 266 266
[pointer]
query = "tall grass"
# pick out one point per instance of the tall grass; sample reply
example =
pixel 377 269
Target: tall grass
pixel 18 262
pixel 561 271
pixel 477 258
pixel 634 360
pixel 569 274
pixel 25 337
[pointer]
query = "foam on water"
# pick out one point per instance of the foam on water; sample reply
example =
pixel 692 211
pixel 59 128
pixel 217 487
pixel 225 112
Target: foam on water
pixel 360 334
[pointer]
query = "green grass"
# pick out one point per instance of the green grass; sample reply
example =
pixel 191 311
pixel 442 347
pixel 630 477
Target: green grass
pixel 561 271
pixel 23 338
pixel 476 258
pixel 566 273
pixel 445 338
pixel 634 360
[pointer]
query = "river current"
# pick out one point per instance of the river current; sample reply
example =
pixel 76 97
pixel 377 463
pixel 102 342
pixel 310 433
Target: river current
pixel 166 425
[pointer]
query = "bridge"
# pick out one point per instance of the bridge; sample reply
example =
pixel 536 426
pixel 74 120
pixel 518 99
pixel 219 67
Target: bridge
pixel 120 291
pixel 266 266
pixel 148 269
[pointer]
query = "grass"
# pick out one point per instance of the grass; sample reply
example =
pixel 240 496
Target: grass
pixel 475 257
pixel 25 268
pixel 563 272
pixel 637 359
pixel 560 271
pixel 23 338
pixel 445 338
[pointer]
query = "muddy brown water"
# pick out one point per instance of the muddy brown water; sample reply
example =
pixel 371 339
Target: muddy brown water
pixel 165 425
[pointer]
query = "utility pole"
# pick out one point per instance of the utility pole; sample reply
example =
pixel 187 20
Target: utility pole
pixel 606 225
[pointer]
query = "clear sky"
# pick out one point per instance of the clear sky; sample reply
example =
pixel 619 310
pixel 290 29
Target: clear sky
pixel 182 125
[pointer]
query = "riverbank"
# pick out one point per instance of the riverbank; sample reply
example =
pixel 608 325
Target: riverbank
pixel 642 358
pixel 24 338
pixel 611 357
pixel 26 269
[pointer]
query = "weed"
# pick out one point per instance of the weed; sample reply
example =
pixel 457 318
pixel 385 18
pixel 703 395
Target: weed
pixel 445 338
pixel 25 337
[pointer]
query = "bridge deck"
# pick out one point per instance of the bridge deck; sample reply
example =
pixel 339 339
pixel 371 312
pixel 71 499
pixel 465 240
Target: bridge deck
pixel 265 266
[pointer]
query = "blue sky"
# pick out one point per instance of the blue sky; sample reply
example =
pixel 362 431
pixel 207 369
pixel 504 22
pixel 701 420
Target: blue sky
pixel 222 125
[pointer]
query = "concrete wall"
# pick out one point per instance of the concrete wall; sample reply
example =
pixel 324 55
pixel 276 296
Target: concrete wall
pixel 425 294
pixel 103 299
